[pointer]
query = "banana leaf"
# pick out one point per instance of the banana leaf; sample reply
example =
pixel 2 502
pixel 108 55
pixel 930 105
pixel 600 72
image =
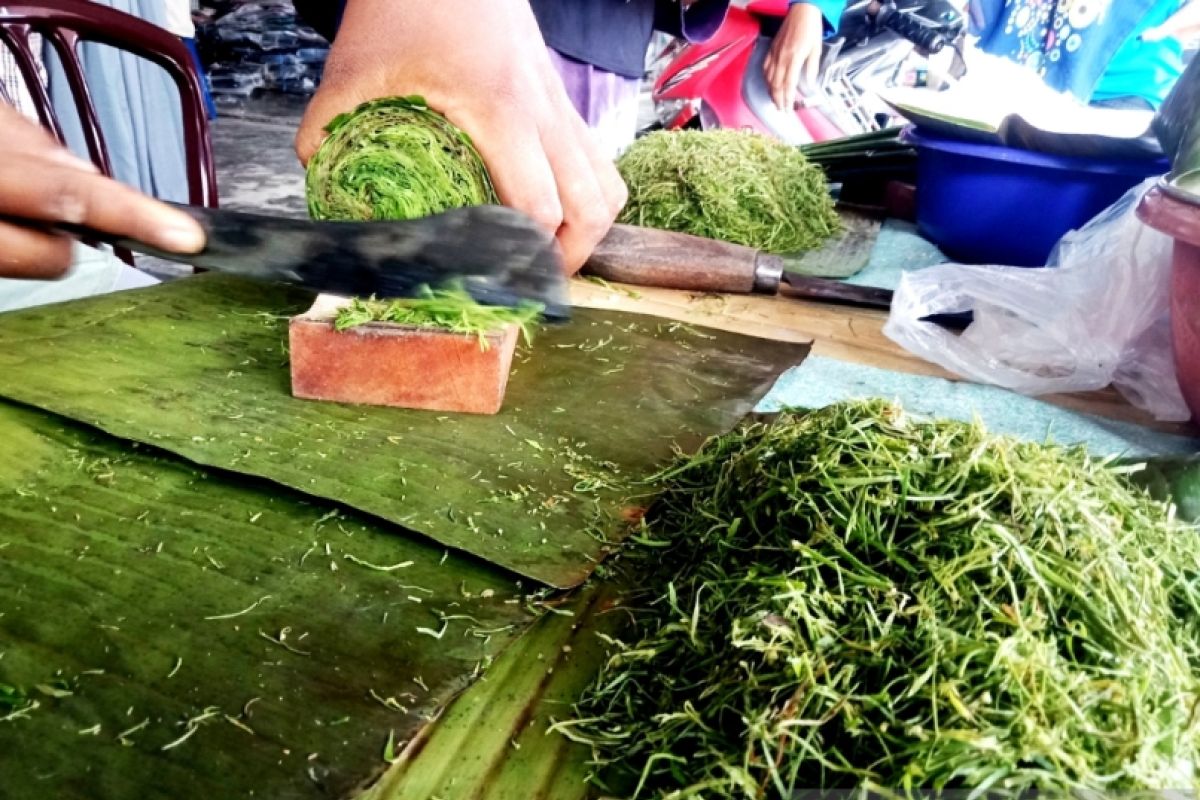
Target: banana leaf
pixel 167 632
pixel 1175 480
pixel 199 367
pixel 494 742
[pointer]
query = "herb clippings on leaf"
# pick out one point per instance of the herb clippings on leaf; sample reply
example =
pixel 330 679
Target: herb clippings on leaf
pixel 449 309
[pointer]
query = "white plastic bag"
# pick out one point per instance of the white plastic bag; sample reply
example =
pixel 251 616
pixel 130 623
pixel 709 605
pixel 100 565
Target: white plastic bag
pixel 1099 317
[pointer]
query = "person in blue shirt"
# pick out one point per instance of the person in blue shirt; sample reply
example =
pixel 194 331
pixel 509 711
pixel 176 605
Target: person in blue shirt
pixel 1112 52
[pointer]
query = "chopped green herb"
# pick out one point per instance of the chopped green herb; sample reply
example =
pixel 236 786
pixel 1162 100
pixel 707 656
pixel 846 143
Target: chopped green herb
pixel 857 598
pixel 732 185
pixel 449 309
pixel 246 610
pixel 394 158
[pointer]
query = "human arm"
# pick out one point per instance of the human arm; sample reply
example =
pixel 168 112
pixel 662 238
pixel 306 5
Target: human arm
pixel 485 66
pixel 1183 24
pixel 795 52
pixel 41 180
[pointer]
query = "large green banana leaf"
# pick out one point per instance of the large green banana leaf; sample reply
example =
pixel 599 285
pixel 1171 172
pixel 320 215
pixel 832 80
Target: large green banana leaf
pixel 495 741
pixel 199 367
pixel 167 632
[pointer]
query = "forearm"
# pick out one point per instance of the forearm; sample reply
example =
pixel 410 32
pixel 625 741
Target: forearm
pixel 1185 23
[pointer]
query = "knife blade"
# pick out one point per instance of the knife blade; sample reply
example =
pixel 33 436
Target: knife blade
pixel 500 255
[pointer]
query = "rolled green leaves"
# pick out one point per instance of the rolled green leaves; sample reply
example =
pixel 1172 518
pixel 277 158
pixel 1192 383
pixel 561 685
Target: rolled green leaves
pixel 731 185
pixel 394 158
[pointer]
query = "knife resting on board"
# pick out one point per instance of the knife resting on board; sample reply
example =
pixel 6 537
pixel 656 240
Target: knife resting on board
pixel 650 257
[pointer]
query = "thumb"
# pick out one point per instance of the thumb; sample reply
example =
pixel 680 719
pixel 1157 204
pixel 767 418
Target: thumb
pixel 326 104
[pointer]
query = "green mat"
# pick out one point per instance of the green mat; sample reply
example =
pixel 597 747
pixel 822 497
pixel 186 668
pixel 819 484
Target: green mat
pixel 138 592
pixel 198 367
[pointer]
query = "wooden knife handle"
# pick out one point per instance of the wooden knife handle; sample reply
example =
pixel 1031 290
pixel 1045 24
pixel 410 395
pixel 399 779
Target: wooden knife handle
pixel 648 257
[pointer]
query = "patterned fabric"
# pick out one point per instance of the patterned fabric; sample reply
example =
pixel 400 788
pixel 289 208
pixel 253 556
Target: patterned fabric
pixel 14 83
pixel 1070 43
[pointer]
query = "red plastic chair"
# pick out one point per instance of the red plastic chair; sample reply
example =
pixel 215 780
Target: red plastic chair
pixel 64 24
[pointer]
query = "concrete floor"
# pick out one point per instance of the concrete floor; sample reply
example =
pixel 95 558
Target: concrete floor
pixel 257 169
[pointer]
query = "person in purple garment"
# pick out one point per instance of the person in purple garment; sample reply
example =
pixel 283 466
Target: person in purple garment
pixel 598 47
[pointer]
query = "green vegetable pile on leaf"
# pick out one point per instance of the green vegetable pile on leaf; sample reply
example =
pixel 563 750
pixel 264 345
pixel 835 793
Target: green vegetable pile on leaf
pixel 731 185
pixel 858 598
pixel 394 158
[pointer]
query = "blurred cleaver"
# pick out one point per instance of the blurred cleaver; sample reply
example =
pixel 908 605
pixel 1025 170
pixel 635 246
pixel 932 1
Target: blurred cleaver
pixel 500 255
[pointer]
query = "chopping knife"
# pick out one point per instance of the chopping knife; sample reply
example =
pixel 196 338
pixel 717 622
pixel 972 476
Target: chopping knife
pixel 649 257
pixel 501 256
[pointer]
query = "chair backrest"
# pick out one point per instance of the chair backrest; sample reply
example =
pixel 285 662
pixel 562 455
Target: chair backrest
pixel 64 24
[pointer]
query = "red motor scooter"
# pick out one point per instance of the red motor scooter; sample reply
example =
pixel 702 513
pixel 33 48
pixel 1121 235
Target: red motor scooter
pixel 720 83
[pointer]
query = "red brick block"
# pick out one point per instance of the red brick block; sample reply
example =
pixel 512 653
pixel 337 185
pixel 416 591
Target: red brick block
pixel 386 364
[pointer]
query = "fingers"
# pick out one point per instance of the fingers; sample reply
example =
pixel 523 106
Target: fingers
pixel 513 152
pixel 776 75
pixel 41 181
pixel 29 254
pixel 791 80
pixel 795 53
pixel 47 190
pixel 589 188
pixel 326 104
pixel 783 76
pixel 812 67
pixel 350 79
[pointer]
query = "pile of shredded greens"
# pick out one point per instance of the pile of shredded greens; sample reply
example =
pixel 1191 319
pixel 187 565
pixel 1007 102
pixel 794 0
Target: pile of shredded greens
pixel 448 309
pixel 859 598
pixel 733 185
pixel 394 158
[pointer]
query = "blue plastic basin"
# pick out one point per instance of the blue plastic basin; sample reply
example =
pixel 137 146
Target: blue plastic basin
pixel 988 204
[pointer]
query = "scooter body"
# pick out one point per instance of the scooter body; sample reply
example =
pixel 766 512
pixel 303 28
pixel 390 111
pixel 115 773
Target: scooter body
pixel 721 84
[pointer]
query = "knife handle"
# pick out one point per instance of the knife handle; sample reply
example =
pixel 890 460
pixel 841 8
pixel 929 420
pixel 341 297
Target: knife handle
pixel 650 257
